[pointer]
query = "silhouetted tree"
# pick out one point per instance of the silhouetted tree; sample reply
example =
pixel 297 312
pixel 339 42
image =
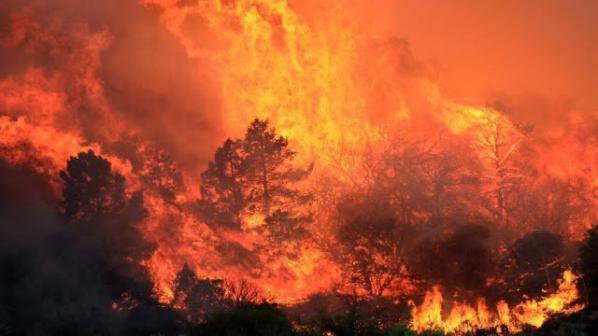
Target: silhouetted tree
pixel 371 244
pixel 106 222
pixel 401 176
pixel 199 297
pixel 454 178
pixel 255 176
pixel 223 196
pixel 91 188
pixel 184 281
pixel 58 277
pixel 267 168
pixel 206 297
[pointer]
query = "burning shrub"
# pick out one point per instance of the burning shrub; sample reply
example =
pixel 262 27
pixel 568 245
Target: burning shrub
pixel 460 262
pixel 372 242
pixel 533 262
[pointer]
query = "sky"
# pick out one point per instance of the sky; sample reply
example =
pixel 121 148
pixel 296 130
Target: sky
pixel 535 49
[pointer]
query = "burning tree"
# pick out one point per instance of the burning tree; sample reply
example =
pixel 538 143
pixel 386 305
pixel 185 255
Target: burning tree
pixel 371 244
pixel 428 182
pixel 416 189
pixel 552 203
pixel 500 143
pixel 222 187
pixel 252 184
pixel 159 172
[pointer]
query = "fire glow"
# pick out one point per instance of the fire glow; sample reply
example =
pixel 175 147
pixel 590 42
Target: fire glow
pixel 463 318
pixel 344 100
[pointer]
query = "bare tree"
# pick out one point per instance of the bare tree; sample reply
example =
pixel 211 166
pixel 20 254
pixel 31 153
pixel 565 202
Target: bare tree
pixel 500 142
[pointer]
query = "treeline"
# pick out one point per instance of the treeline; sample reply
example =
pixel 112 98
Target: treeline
pixel 76 266
pixel 448 210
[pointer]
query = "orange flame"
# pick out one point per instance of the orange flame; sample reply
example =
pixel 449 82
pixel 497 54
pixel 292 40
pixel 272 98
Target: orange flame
pixel 337 94
pixel 464 318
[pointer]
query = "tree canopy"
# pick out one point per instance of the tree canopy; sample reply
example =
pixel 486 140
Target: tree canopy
pixel 255 178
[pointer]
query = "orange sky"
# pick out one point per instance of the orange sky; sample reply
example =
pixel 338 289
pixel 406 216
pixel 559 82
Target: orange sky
pixel 546 48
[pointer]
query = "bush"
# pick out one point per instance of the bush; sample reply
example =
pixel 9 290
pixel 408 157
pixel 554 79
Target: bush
pixel 245 320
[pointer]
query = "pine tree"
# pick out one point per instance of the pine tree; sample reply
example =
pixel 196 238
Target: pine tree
pixel 255 176
pixel 91 188
pixel 222 195
pixel 106 222
pixel 266 166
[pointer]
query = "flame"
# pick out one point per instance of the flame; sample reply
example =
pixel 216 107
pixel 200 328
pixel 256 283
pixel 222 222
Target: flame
pixel 254 221
pixel 23 140
pixel 335 92
pixel 464 318
pixel 307 80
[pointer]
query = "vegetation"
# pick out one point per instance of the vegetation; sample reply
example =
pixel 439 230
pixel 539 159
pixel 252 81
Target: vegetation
pixel 83 272
pixel 254 176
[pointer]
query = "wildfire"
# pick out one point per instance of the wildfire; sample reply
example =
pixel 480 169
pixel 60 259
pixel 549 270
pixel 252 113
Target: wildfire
pixel 464 318
pixel 254 221
pixel 339 95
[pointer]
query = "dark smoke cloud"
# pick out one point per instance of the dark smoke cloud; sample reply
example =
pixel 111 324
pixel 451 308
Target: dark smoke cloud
pixel 39 286
pixel 52 280
pixel 148 84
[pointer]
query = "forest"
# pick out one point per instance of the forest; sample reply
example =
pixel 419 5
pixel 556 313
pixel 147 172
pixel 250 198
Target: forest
pixel 285 167
pixel 76 265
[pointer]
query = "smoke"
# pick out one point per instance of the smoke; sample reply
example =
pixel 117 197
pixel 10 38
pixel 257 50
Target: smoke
pixel 105 70
pixel 40 286
pixel 130 79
